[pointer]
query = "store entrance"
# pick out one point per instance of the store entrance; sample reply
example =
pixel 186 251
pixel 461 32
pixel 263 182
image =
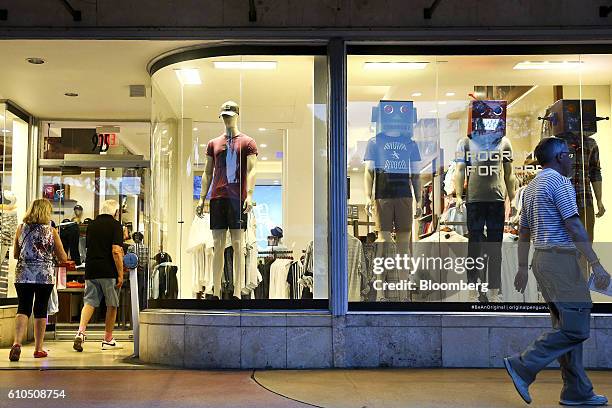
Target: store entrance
pixel 77 186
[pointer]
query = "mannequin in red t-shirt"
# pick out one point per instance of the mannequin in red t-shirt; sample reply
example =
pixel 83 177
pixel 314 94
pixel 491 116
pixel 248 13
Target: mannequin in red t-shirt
pixel 230 169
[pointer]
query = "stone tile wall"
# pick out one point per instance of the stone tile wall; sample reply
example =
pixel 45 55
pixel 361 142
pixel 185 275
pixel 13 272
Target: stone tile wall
pixel 296 340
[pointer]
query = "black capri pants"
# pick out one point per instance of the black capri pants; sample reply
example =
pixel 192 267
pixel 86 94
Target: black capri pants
pixel 37 293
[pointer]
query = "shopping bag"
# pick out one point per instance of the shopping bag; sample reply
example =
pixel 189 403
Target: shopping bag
pixel 53 306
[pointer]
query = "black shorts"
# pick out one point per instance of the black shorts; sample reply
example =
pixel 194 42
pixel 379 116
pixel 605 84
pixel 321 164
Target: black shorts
pixel 227 213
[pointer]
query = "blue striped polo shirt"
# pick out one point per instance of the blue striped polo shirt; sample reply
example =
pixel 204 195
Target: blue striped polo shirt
pixel 548 200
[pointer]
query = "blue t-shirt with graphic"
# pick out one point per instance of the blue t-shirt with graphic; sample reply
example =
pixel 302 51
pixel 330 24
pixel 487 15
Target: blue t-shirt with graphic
pixel 394 160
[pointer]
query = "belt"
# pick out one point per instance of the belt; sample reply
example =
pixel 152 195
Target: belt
pixel 557 250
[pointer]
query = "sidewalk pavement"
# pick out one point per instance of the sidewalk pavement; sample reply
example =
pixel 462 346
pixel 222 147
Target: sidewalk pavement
pixel 422 388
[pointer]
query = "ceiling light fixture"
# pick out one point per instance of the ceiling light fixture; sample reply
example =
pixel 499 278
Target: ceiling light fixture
pixel 262 129
pixel 264 158
pixel 188 76
pixel 548 65
pixel 71 94
pixel 450 94
pixel 263 145
pixel 254 65
pixel 355 169
pixel 35 60
pixel 417 94
pixel 195 129
pixel 392 66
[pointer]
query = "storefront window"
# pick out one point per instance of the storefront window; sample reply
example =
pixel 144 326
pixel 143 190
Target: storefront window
pixel 13 181
pixel 239 179
pixel 440 149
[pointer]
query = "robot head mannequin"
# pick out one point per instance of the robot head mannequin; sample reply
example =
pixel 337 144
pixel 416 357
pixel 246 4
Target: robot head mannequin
pixel 229 113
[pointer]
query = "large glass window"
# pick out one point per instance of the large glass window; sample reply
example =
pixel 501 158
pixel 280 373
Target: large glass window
pixel 440 150
pixel 239 179
pixel 13 182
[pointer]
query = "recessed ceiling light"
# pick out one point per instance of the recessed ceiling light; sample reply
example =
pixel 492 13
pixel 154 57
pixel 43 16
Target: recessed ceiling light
pixel 195 129
pixel 71 94
pixel 548 65
pixel 417 94
pixel 264 158
pixel 188 76
pixel 355 169
pixel 450 94
pixel 400 66
pixel 263 145
pixel 245 64
pixel 35 60
pixel 262 129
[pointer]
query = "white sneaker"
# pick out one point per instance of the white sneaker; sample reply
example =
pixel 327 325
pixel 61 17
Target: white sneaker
pixel 111 345
pixel 494 296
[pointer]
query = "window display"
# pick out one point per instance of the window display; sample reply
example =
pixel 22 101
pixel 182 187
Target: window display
pixel 239 166
pixel 444 150
pixel 13 185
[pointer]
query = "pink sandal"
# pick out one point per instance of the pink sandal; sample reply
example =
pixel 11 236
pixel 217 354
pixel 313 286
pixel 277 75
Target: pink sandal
pixel 15 352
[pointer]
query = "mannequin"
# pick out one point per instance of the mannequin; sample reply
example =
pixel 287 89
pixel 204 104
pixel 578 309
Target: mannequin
pixel 8 227
pixel 231 170
pixel 391 180
pixel 78 214
pixel 485 155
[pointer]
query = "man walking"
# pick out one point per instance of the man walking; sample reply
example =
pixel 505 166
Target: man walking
pixel 103 272
pixel 549 217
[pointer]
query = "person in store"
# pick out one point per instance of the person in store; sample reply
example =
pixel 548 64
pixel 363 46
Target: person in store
pixel 35 244
pixel 549 218
pixel 103 273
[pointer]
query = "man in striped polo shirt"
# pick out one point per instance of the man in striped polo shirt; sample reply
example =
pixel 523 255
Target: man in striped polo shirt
pixel 549 218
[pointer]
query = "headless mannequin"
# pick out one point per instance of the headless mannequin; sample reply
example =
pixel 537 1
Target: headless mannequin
pixel 236 235
pixel 9 227
pixel 459 182
pixel 404 238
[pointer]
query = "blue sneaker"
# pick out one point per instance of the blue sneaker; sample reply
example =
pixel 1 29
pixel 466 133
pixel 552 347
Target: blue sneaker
pixel 595 400
pixel 521 386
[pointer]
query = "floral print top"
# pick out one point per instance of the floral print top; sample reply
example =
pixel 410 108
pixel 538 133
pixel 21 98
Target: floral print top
pixel 35 263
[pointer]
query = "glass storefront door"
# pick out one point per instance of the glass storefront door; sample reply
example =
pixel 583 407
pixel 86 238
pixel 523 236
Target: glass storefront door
pixel 78 194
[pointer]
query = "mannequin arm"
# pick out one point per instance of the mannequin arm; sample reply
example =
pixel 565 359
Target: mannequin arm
pixel 509 180
pixel 597 190
pixel 459 180
pixel 250 180
pixel 206 180
pixel 16 248
pixel 368 184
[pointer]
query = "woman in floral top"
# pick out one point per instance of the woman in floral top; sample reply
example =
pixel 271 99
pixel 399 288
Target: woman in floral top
pixel 35 244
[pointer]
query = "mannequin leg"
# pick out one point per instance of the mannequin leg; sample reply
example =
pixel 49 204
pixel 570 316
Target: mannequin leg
pixel 4 271
pixel 239 261
pixel 219 238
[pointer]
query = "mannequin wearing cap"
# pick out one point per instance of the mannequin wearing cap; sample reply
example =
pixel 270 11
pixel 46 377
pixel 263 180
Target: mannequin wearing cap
pixel 231 171
pixel 78 214
pixel 8 227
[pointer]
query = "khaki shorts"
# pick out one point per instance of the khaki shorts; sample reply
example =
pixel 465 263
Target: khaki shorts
pixel 96 289
pixel 393 214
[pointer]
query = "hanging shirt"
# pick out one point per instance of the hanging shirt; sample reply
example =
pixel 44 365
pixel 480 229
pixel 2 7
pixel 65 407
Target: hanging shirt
pixel 229 157
pixel 357 278
pixel 394 161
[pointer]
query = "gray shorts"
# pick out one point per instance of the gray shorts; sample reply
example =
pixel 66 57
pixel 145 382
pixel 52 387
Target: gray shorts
pixel 95 289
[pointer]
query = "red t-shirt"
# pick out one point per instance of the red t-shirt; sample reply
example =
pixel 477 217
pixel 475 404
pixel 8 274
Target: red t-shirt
pixel 230 165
